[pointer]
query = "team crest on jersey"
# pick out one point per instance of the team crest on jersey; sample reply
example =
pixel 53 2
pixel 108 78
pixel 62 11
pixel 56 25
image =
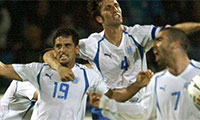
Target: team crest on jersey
pixel 129 50
pixel 75 80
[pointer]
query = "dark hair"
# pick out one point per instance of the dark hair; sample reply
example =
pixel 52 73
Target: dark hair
pixel 177 34
pixel 94 8
pixel 65 32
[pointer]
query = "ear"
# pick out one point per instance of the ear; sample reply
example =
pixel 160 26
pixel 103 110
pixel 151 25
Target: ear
pixel 77 49
pixel 99 19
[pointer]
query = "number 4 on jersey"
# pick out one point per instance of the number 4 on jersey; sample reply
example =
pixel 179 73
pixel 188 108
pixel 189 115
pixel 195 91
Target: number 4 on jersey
pixel 124 63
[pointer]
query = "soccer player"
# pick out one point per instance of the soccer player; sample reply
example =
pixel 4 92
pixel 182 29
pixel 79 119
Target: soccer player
pixel 165 94
pixel 119 51
pixel 18 101
pixel 60 100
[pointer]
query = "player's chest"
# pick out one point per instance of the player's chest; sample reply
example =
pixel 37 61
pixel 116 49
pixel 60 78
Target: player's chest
pixel 113 57
pixel 53 88
pixel 170 92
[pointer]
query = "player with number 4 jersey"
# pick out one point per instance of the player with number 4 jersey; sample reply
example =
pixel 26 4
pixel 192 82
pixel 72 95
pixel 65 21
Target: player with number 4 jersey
pixel 112 61
pixel 166 96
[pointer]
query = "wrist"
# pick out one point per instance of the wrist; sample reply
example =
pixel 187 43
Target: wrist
pixel 58 66
pixel 138 85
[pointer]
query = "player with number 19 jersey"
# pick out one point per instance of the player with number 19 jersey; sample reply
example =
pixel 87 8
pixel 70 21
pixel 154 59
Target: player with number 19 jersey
pixel 113 61
pixel 59 100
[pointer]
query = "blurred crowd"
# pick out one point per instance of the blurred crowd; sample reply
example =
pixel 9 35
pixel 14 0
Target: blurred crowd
pixel 27 27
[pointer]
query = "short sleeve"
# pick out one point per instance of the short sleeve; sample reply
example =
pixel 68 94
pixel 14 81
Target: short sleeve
pixel 139 110
pixel 97 83
pixel 83 50
pixel 26 89
pixel 145 34
pixel 28 72
pixel 88 46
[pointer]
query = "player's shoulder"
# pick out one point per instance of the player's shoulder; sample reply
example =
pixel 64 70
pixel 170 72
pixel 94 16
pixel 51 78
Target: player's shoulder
pixel 37 65
pixel 159 74
pixel 137 28
pixel 88 70
pixel 93 38
pixel 195 63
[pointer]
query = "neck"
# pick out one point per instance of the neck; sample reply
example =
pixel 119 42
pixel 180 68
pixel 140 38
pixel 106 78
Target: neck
pixel 113 34
pixel 70 66
pixel 178 64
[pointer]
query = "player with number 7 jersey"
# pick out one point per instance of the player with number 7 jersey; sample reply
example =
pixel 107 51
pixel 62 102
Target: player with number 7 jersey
pixel 166 96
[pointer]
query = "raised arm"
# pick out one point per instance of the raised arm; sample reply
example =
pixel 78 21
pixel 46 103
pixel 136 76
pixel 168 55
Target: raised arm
pixel 8 71
pixel 65 73
pixel 51 60
pixel 188 27
pixel 124 94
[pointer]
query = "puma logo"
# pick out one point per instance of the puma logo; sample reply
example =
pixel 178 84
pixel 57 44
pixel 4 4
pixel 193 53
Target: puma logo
pixel 162 88
pixel 109 55
pixel 49 76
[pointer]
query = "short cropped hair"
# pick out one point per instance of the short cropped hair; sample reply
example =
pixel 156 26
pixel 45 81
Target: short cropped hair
pixel 94 8
pixel 66 32
pixel 177 34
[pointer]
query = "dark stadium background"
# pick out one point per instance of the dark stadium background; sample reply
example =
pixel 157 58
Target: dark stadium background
pixel 29 25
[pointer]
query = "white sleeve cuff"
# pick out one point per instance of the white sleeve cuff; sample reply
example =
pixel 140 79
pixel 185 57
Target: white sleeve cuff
pixel 107 104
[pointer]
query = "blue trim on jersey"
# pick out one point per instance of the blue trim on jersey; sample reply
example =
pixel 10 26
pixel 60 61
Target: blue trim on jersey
pixel 38 109
pixel 141 49
pixel 153 33
pixel 38 76
pixel 194 65
pixel 155 90
pixel 31 106
pixel 86 80
pixel 86 85
pixel 96 58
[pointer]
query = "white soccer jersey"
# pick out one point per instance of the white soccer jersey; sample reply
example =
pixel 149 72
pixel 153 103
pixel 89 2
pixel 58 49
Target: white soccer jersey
pixel 113 61
pixel 165 96
pixel 60 100
pixel 16 103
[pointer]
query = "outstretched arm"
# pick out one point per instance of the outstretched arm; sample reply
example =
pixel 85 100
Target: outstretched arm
pixel 8 71
pixel 145 109
pixel 188 27
pixel 124 94
pixel 65 73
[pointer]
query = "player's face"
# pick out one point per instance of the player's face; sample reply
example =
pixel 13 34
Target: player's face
pixel 162 48
pixel 65 50
pixel 111 13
